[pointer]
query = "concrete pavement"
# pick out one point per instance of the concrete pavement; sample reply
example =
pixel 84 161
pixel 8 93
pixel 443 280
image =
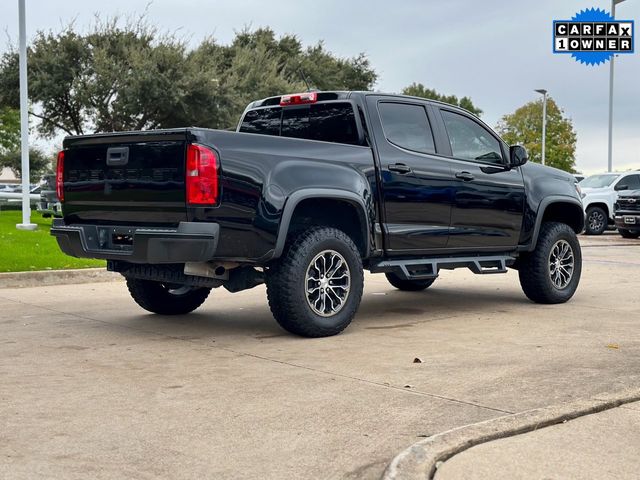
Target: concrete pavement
pixel 599 446
pixel 93 386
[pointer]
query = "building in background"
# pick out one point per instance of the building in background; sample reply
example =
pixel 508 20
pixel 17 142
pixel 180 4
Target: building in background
pixel 7 176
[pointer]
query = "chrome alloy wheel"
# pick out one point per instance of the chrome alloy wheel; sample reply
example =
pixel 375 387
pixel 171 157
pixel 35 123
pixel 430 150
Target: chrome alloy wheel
pixel 561 264
pixel 327 283
pixel 596 221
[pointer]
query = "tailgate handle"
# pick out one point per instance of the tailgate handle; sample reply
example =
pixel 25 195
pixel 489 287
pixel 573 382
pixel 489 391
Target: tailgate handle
pixel 117 156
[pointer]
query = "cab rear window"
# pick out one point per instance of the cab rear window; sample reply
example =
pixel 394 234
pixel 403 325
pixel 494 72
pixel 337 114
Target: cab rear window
pixel 328 122
pixel 265 121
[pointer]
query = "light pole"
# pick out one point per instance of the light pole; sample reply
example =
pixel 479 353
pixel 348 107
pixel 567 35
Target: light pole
pixel 610 146
pixel 24 123
pixel 543 92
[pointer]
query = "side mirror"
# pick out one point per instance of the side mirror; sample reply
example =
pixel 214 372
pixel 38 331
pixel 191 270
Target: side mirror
pixel 621 187
pixel 517 156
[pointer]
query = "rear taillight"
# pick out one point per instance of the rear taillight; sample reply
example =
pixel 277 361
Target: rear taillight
pixel 298 98
pixel 202 175
pixel 60 176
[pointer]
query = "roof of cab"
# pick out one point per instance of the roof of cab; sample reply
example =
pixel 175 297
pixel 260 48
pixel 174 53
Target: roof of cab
pixel 339 95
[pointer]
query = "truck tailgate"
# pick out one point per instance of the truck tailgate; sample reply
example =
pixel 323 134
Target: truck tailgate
pixel 125 179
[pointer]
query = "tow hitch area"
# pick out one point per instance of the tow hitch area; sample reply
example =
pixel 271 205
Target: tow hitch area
pixel 122 239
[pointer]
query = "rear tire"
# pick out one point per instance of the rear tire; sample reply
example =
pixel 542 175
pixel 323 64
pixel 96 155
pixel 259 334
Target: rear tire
pixel 309 295
pixel 408 285
pixel 551 273
pixel 596 221
pixel 628 233
pixel 166 299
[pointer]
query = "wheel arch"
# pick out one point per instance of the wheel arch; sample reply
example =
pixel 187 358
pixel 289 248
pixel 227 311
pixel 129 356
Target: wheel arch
pixel 600 204
pixel 561 209
pixel 320 203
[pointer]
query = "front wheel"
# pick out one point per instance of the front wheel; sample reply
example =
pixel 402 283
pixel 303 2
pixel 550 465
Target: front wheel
pixel 596 221
pixel 166 299
pixel 315 288
pixel 628 233
pixel 551 273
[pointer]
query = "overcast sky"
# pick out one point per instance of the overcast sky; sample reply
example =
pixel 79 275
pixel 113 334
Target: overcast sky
pixel 494 51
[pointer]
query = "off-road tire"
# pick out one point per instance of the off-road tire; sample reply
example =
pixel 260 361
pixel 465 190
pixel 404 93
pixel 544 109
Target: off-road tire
pixel 286 283
pixel 534 267
pixel 408 285
pixel 628 233
pixel 156 297
pixel 598 216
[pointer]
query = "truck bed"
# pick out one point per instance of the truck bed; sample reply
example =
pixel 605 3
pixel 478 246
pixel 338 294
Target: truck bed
pixel 256 175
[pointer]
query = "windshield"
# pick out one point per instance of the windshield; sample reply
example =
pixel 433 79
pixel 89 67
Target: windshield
pixel 598 181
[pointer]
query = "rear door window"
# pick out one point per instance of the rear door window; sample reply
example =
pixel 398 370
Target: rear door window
pixel 407 126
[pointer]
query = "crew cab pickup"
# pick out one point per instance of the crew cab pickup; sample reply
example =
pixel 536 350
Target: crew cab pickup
pixel 309 190
pixel 627 214
pixel 599 195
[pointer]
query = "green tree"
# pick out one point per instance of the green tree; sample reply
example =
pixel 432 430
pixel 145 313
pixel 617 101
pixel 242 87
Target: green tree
pixel 115 78
pixel 39 162
pixel 132 77
pixel 419 90
pixel 524 127
pixel 257 64
pixel 9 129
pixel 319 67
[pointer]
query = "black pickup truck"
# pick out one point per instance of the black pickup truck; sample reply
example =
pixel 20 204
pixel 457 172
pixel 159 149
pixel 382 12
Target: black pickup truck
pixel 310 190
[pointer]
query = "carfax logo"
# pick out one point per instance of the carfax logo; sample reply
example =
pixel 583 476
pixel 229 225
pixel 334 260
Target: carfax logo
pixel 593 36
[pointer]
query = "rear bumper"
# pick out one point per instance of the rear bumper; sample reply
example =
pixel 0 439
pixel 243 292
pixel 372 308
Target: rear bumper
pixel 628 221
pixel 190 242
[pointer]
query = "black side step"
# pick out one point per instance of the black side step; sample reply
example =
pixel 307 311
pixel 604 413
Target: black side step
pixel 416 269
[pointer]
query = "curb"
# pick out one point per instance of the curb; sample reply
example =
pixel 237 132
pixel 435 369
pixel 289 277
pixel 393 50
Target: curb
pixel 56 277
pixel 422 459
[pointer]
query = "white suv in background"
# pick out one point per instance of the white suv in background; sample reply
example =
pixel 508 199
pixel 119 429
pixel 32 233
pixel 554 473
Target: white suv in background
pixel 599 193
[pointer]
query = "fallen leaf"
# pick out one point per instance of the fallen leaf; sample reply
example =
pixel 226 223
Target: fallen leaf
pixel 417 360
pixel 408 386
pixel 613 346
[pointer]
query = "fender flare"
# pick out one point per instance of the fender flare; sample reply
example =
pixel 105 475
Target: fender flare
pixel 332 193
pixel 542 207
pixel 601 201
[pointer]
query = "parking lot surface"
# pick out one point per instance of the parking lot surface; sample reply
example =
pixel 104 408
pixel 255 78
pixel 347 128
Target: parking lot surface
pixel 93 386
pixel 602 445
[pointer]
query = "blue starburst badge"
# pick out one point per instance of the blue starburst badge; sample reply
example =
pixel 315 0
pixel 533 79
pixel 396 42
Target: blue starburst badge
pixel 593 36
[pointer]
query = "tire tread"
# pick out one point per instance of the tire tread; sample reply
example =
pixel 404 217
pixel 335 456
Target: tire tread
pixel 533 267
pixel 154 298
pixel 288 272
pixel 407 285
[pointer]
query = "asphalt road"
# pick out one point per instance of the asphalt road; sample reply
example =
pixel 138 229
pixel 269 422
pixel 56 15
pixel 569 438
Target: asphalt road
pixel 91 386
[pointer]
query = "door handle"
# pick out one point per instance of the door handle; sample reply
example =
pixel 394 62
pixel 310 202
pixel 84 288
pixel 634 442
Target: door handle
pixel 465 176
pixel 399 168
